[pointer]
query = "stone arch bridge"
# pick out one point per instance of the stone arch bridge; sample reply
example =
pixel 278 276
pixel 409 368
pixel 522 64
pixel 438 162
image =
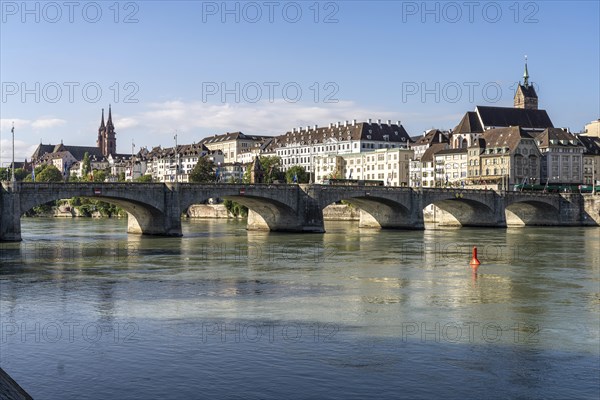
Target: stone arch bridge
pixel 156 208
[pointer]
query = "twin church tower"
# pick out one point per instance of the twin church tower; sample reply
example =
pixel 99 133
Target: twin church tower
pixel 107 142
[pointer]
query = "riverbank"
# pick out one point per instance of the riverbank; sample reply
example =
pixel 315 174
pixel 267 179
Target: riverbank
pixel 334 212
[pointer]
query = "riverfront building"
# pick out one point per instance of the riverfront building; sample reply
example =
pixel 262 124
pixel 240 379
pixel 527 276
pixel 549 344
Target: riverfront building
pixel 175 164
pixel 591 159
pixel 235 144
pixel 390 166
pixel 451 167
pixel 509 156
pixel 316 148
pixel 562 157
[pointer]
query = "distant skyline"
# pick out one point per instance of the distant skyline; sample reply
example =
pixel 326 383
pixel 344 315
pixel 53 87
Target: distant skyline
pixel 200 68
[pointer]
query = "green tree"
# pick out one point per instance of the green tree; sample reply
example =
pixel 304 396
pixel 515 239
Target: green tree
pixel 121 177
pixel 6 174
pixel 86 167
pixel 144 179
pixel 299 173
pixel 235 209
pixel 203 172
pixel 99 175
pixel 270 166
pixel 47 173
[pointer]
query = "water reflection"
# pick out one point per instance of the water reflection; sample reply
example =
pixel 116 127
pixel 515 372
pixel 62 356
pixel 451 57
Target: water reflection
pixel 353 305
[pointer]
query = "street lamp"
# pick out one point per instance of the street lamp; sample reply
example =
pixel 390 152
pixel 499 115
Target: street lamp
pixel 13 152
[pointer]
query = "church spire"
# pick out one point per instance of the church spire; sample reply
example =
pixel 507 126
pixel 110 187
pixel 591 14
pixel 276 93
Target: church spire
pixel 526 75
pixel 102 121
pixel 109 123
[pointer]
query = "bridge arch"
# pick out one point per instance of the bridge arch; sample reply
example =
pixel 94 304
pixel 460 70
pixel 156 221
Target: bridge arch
pixel 270 207
pixel 455 207
pixel 380 207
pixel 144 203
pixel 523 210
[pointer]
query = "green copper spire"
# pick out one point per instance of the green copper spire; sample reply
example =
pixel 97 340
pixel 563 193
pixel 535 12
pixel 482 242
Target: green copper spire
pixel 526 75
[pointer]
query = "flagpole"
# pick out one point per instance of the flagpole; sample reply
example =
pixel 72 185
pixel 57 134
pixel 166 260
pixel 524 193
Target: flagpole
pixel 13 152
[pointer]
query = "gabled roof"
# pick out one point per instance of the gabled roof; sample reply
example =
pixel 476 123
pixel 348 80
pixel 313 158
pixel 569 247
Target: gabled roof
pixel 528 91
pixel 505 137
pixel 556 134
pixel 41 150
pixel 76 151
pixel 509 116
pixel 591 144
pixel 432 136
pixel 432 150
pixel 469 124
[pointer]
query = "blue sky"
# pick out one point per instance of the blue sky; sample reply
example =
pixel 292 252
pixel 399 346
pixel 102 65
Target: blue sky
pixel 203 68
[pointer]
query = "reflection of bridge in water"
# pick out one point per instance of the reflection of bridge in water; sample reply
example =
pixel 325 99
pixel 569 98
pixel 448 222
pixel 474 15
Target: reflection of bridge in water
pixel 156 208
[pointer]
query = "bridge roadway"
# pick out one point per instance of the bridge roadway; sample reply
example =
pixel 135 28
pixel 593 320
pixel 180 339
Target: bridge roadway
pixel 156 208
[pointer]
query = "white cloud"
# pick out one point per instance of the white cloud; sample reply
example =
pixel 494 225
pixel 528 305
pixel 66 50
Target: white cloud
pixel 23 129
pixel 37 124
pixel 47 123
pixel 23 150
pixel 260 118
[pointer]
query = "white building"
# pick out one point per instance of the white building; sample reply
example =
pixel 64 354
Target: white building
pixel 170 165
pixel 422 172
pixel 391 166
pixel 233 144
pixel 316 148
pixel 451 166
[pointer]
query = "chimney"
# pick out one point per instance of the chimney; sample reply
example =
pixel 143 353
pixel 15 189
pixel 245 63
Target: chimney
pixel 369 120
pixel 346 123
pixel 353 122
pixel 293 130
pixel 389 122
pixel 379 122
pixel 316 126
pixel 307 128
pixel 337 125
pixel 330 125
pixel 398 122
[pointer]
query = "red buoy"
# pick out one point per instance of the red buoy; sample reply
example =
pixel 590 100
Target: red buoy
pixel 474 261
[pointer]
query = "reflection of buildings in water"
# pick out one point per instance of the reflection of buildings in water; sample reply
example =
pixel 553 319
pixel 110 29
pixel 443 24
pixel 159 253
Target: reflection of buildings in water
pixel 106 301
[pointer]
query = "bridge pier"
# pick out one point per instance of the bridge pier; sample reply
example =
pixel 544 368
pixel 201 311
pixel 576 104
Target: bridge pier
pixel 10 214
pixel 163 221
pixel 304 217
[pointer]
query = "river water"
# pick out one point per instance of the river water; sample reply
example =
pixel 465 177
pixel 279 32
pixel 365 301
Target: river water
pixel 89 312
